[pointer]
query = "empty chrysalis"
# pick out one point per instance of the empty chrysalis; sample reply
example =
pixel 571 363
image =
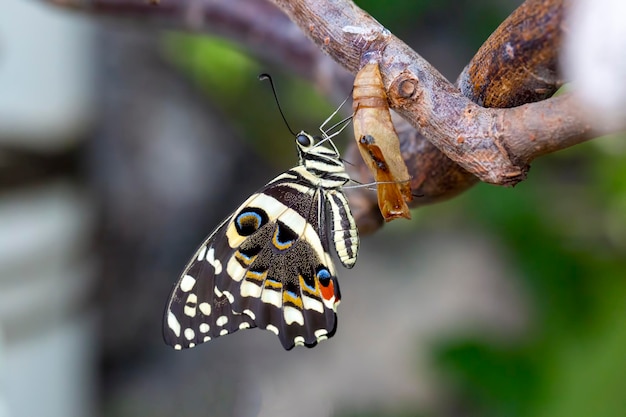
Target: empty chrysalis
pixel 378 143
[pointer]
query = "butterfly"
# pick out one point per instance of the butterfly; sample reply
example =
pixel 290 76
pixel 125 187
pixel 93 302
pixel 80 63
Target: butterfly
pixel 268 265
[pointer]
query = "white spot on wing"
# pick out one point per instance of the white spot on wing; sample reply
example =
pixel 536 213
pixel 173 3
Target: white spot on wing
pixel 173 324
pixel 244 325
pixel 190 311
pixel 201 253
pixel 189 333
pixel 249 313
pixel 293 315
pixel 329 303
pixel 190 305
pixel 192 299
pixel 223 332
pixel 250 289
pixel 231 298
pixel 272 329
pixel 204 328
pixel 205 308
pixel 272 297
pixel 206 338
pixel 312 304
pixel 187 283
pixel 178 347
pixel 320 333
pixel 221 320
pixel 235 270
pixel 298 341
pixel 210 257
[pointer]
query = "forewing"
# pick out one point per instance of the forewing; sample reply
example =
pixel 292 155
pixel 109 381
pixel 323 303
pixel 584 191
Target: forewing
pixel 197 311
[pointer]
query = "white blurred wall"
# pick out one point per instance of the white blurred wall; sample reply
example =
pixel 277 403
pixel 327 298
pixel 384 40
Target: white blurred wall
pixel 594 59
pixel 46 325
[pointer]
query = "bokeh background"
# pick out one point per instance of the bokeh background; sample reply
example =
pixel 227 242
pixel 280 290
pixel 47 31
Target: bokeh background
pixel 122 146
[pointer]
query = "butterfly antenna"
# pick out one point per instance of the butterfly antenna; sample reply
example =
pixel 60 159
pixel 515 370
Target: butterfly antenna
pixel 263 77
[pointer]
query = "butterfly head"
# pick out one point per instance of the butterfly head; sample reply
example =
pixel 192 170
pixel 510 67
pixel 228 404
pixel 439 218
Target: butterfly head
pixel 319 149
pixel 320 158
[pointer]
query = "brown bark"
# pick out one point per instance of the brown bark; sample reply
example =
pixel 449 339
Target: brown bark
pixel 517 66
pixel 493 144
pixel 518 63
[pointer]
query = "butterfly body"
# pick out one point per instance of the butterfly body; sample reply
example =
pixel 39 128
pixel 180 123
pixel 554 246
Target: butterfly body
pixel 268 265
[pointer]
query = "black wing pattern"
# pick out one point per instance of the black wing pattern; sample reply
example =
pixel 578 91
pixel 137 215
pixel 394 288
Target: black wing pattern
pixel 268 266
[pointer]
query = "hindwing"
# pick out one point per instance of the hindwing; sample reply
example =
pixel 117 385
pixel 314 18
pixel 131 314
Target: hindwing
pixel 267 265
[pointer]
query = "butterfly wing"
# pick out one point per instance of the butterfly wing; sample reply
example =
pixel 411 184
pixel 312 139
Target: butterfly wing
pixel 266 266
pixel 197 311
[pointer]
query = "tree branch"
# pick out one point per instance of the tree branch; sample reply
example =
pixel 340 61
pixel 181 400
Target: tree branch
pixel 492 144
pixel 495 145
pixel 517 64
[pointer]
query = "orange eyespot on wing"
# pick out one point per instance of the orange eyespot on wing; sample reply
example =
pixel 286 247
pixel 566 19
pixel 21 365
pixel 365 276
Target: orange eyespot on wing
pixel 379 144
